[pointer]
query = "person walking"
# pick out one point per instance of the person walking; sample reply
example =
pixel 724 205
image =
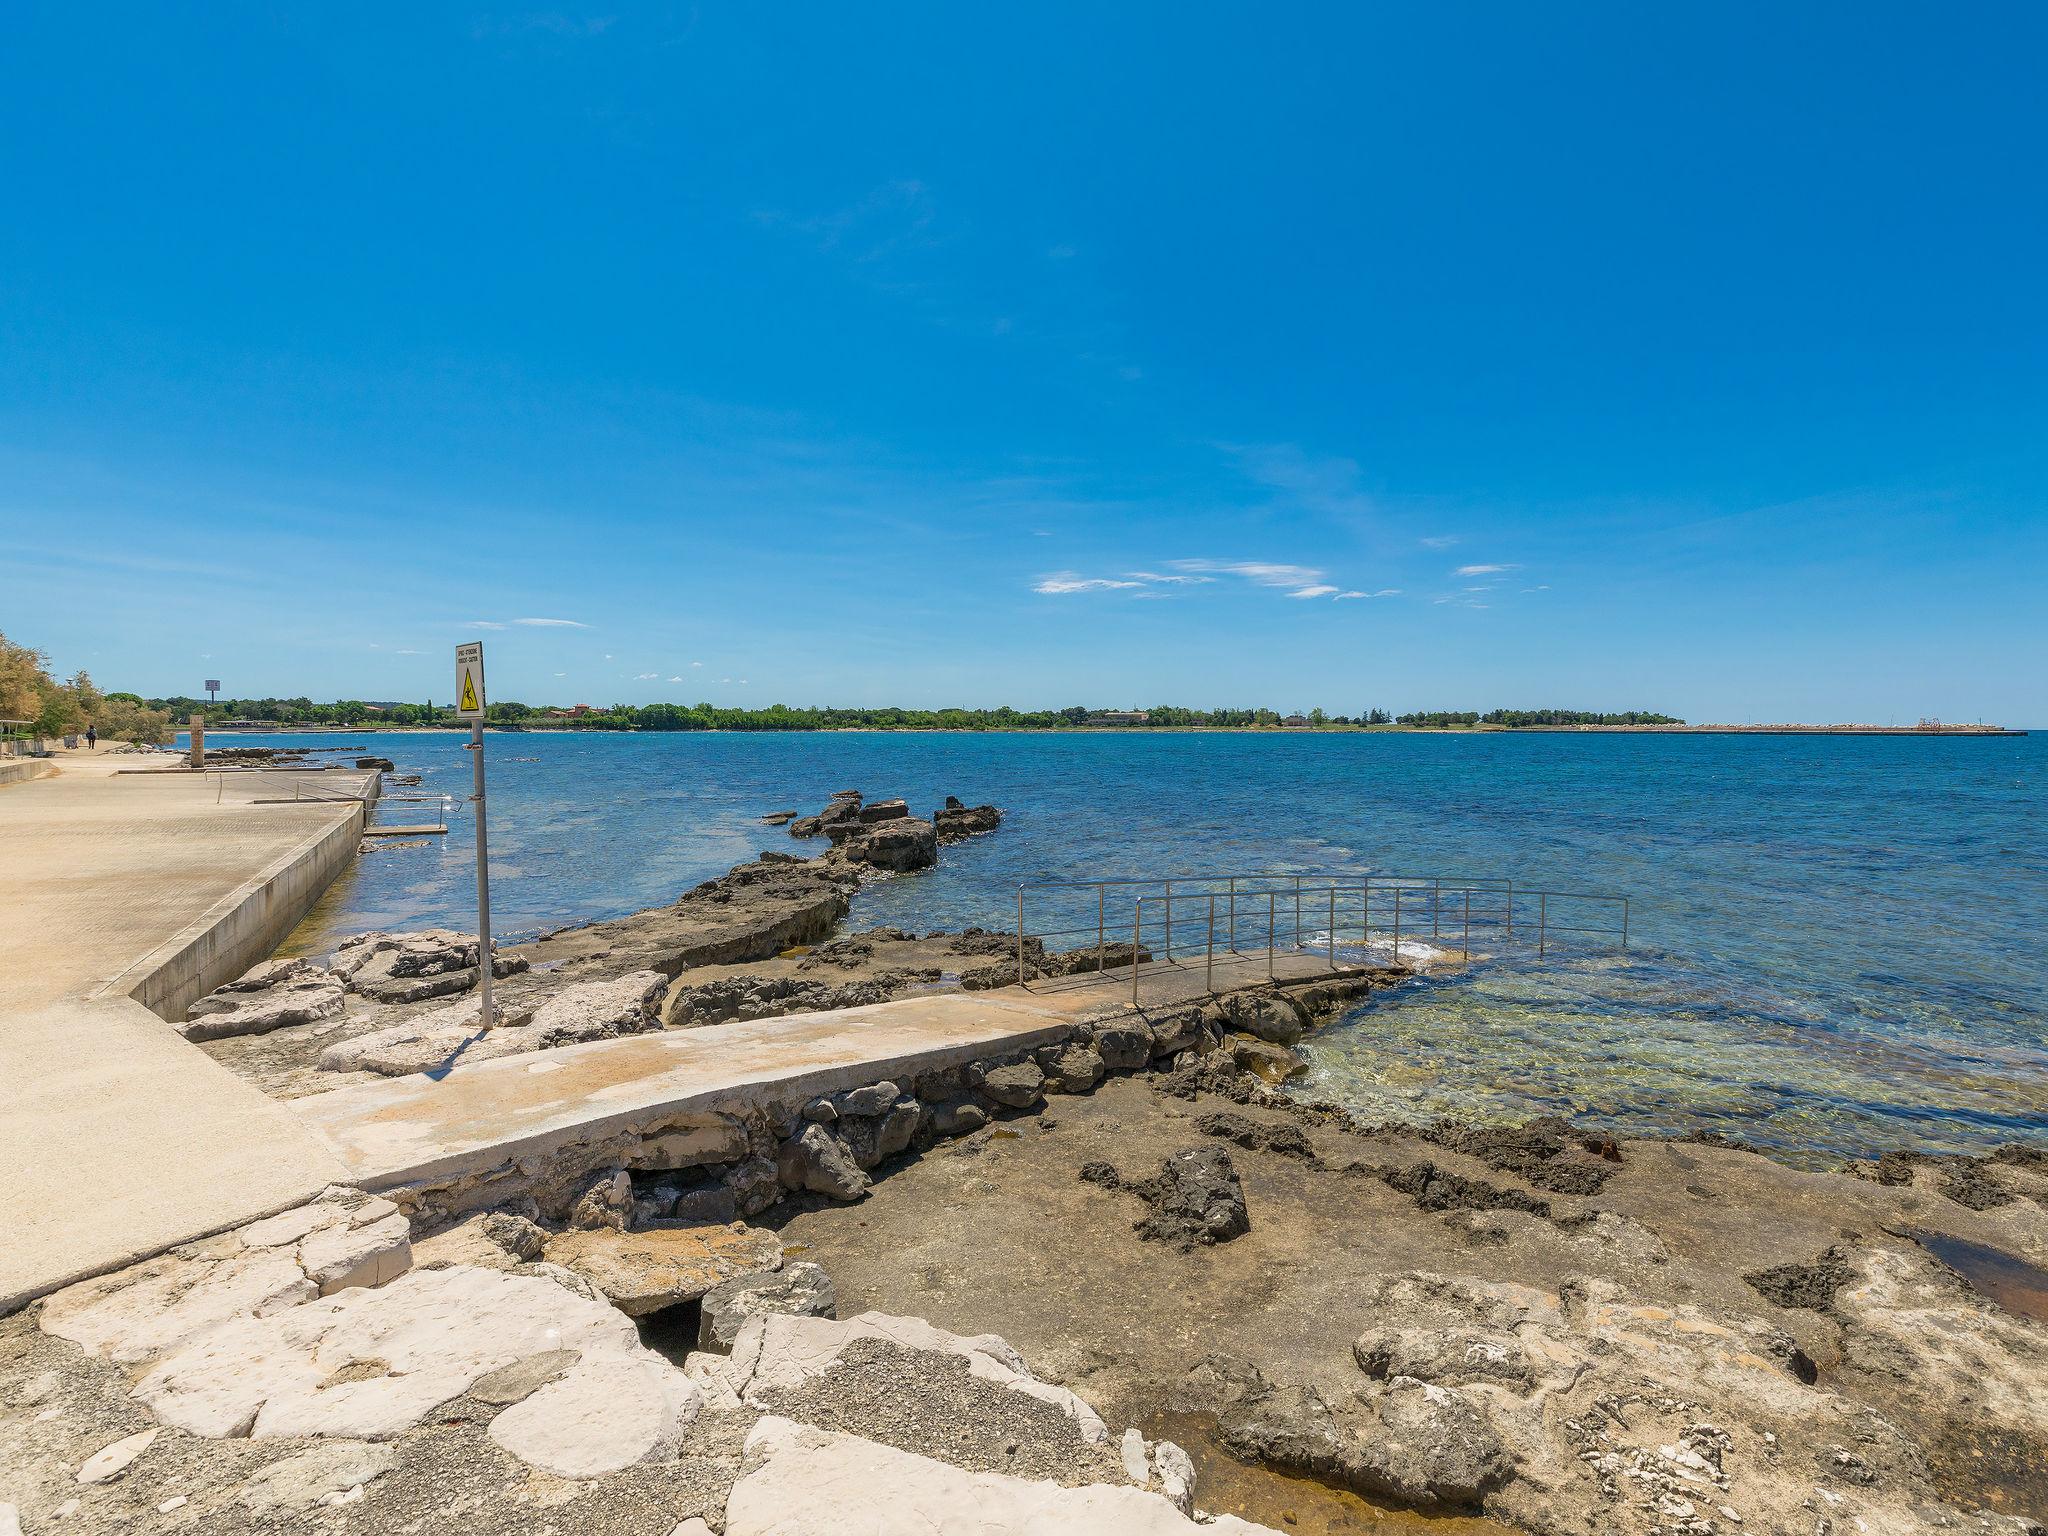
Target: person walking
pixel 92 739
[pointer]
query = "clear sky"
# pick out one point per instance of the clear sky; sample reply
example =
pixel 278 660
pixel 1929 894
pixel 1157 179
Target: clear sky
pixel 1603 356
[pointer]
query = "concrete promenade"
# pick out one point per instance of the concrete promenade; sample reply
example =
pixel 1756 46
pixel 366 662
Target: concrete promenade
pixel 473 1118
pixel 117 1138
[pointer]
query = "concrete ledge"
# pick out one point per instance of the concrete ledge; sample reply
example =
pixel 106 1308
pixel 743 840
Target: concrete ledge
pixel 431 1132
pixel 243 928
pixel 19 770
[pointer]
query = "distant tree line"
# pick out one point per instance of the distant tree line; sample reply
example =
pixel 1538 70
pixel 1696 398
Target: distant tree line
pixel 783 717
pixel 1517 717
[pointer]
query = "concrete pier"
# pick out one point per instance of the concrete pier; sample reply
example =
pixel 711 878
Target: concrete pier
pixel 462 1123
pixel 123 893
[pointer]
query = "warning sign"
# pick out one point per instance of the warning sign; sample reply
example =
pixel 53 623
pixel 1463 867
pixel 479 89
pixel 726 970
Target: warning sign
pixel 469 681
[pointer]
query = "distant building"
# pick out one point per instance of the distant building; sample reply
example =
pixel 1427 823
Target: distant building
pixel 1120 717
pixel 1297 722
pixel 569 714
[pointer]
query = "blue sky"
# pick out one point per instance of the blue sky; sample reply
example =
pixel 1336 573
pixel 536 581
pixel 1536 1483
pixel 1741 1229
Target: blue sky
pixel 1452 356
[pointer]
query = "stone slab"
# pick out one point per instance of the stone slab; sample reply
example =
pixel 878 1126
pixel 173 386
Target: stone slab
pixel 800 1481
pixel 438 1129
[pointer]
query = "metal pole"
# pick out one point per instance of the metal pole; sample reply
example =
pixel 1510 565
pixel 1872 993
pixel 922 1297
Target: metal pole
pixel 1209 964
pixel 1269 934
pixel 1100 892
pixel 484 958
pixel 1296 945
pixel 1137 928
pixel 1233 914
pixel 1020 935
pixel 1169 920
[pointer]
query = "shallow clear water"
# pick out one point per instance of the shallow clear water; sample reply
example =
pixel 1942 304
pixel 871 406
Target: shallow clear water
pixel 1837 943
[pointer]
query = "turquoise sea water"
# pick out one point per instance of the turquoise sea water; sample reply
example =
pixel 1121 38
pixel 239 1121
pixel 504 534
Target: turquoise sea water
pixel 1839 944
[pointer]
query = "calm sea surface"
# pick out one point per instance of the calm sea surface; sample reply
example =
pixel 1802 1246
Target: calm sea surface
pixel 1837 944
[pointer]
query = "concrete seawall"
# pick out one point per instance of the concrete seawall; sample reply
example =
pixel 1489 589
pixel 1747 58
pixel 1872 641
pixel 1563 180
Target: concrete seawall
pixel 242 928
pixel 124 896
pixel 19 770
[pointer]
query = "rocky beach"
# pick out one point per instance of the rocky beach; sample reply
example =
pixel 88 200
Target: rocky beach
pixel 1123 1279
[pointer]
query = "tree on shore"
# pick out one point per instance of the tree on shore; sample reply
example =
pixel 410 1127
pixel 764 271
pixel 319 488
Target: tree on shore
pixel 52 708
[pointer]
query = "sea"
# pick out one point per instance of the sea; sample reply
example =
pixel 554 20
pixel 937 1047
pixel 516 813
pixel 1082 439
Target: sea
pixel 1837 944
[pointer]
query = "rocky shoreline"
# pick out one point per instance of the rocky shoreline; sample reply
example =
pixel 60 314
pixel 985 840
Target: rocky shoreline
pixel 801 1317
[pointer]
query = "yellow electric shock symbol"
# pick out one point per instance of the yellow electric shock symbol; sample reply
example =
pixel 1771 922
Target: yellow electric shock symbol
pixel 468 703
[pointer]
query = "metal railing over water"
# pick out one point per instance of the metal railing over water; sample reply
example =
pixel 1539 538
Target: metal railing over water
pixel 1174 919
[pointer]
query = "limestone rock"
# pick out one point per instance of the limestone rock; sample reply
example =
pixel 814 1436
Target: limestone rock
pixel 344 1238
pixel 454 1035
pixel 1447 1356
pixel 309 1000
pixel 872 1138
pixel 884 810
pixel 1196 1198
pixel 816 1160
pixel 904 844
pixel 800 1481
pixel 603 1415
pixel 1015 1087
pixel 874 1099
pixel 799 1290
pixel 410 967
pixel 1070 1068
pixel 1274 1063
pixel 755 1185
pixel 368 1364
pixel 110 1462
pixel 1271 1016
pixel 1124 1047
pixel 642 1272
pixel 1430 1447
pixel 955 823
pixel 958 1117
pixel 778 1352
pixel 317 1475
pixel 604 1202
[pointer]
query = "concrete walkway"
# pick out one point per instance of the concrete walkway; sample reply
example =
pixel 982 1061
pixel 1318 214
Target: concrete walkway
pixel 117 1138
pixel 478 1117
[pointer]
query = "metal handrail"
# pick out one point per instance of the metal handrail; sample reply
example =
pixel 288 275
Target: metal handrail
pixel 1356 888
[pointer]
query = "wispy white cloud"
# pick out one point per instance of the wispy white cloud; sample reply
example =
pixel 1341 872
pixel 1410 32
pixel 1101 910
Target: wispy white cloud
pixel 645 677
pixel 1544 588
pixel 1383 592
pixel 1483 570
pixel 1304 581
pixel 409 653
pixel 1060 583
pixel 552 623
pixel 696 663
pixel 676 679
pixel 1261 572
pixel 482 624
pixel 1439 541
